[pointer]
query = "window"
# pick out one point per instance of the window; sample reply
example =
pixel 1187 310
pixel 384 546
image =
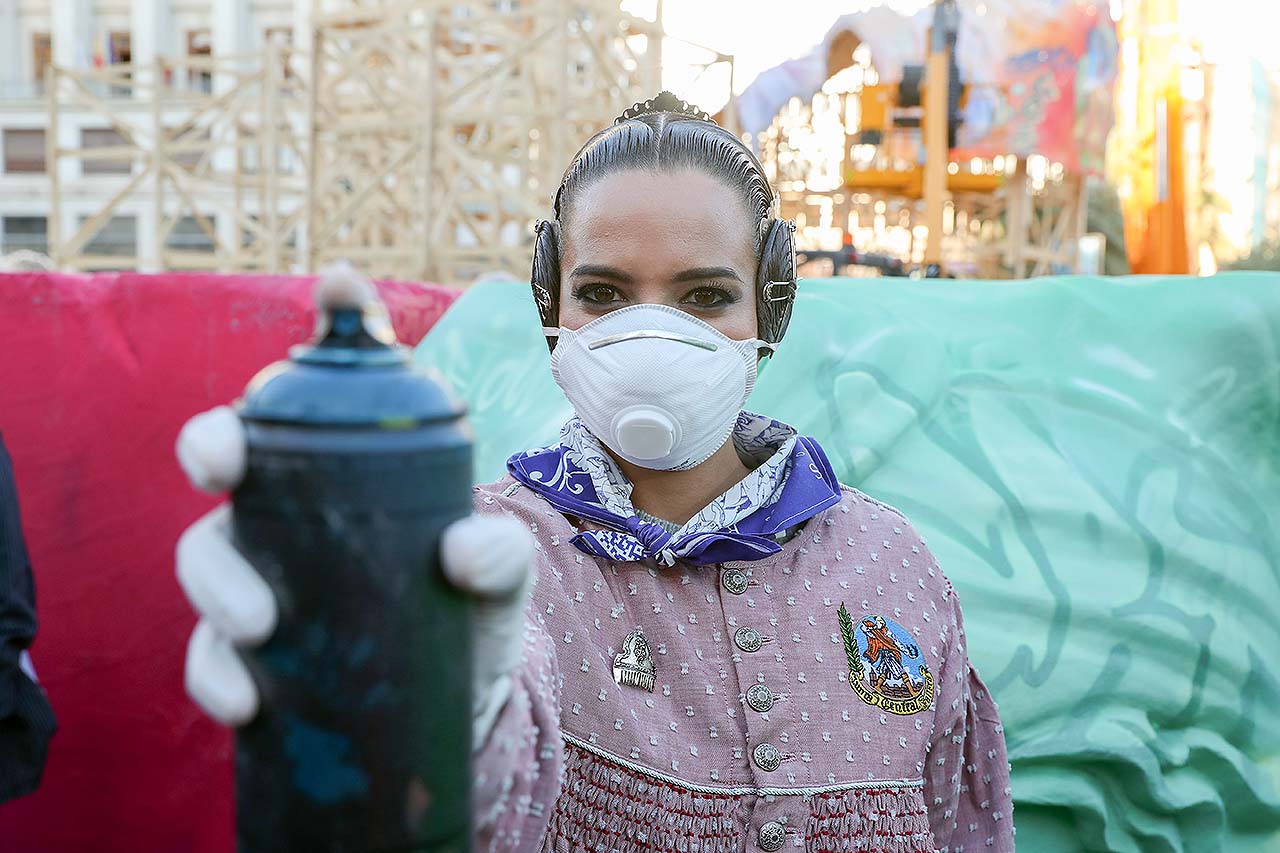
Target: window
pixel 119 237
pixel 200 47
pixel 249 238
pixel 188 236
pixel 41 57
pixel 118 47
pixel 119 52
pixel 191 158
pixel 104 137
pixel 24 150
pixel 25 232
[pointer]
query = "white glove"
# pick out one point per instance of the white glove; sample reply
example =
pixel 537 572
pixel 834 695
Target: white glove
pixel 490 557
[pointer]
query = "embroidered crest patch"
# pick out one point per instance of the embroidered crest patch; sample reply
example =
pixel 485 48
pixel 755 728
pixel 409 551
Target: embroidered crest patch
pixel 886 667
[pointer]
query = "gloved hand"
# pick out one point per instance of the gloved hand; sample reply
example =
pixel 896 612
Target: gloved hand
pixel 490 557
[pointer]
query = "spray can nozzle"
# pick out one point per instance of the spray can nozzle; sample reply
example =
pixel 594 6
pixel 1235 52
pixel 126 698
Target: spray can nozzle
pixel 352 325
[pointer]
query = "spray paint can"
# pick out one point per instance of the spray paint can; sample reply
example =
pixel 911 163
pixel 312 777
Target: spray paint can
pixel 357 462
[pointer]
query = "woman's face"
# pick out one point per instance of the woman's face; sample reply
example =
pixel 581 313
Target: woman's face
pixel 682 239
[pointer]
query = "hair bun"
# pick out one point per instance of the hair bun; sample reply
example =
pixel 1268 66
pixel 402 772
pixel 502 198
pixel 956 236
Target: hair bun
pixel 663 102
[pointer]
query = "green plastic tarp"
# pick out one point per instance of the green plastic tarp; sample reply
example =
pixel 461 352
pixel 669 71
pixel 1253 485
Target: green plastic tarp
pixel 1096 465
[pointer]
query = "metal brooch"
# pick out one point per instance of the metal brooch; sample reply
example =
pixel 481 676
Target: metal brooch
pixel 634 664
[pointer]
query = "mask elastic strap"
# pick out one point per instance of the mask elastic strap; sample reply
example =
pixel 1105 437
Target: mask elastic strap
pixel 550 332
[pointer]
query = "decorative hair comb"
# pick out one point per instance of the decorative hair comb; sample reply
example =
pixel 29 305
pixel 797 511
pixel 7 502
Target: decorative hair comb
pixel 663 102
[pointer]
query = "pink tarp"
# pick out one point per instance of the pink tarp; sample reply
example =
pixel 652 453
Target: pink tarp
pixel 97 375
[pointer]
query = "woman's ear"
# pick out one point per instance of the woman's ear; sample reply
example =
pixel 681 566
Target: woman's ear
pixel 776 280
pixel 545 274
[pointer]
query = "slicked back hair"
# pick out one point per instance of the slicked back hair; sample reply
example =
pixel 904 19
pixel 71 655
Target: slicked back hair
pixel 671 142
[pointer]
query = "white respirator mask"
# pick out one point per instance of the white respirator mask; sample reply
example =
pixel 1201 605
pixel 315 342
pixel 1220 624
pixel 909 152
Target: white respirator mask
pixel 659 387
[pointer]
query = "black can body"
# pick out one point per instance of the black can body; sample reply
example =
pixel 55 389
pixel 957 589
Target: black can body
pixel 362 740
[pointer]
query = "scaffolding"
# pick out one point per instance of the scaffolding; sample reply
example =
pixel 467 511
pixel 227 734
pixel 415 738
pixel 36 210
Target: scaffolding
pixel 419 140
pixel 1003 217
pixel 226 164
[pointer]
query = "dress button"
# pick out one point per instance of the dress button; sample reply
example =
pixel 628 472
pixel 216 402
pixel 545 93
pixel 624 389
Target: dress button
pixel 772 836
pixel 760 697
pixel 747 639
pixel 766 756
pixel 734 580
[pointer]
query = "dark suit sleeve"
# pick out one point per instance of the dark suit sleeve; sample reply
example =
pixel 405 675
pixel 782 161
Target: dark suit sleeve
pixel 26 720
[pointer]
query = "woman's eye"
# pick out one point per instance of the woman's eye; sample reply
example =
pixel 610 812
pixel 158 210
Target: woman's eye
pixel 597 294
pixel 709 297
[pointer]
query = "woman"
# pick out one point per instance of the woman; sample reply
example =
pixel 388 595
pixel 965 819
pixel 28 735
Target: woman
pixel 723 648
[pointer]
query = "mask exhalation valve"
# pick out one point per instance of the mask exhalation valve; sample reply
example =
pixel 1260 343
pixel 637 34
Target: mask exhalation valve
pixel 646 432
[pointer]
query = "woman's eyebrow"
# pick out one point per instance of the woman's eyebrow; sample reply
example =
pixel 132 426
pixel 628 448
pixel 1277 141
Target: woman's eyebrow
pixel 701 273
pixel 600 271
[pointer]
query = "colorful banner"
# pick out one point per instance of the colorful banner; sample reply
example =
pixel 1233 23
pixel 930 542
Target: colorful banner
pixel 1053 93
pixel 1040 73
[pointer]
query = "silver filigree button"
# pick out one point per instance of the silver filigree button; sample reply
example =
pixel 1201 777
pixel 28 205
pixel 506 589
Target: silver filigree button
pixel 735 581
pixel 747 639
pixel 772 836
pixel 759 697
pixel 766 757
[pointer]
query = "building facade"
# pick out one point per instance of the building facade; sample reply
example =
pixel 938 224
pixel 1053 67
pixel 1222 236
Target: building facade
pixel 88 34
pixel 420 141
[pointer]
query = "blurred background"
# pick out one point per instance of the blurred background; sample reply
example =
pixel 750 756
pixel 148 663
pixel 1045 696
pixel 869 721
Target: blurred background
pixel 421 140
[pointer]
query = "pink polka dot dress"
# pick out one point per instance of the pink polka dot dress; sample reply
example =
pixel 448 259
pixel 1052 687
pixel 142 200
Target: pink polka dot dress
pixel 819 698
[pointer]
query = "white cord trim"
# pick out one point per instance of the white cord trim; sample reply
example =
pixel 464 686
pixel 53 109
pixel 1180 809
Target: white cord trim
pixel 738 790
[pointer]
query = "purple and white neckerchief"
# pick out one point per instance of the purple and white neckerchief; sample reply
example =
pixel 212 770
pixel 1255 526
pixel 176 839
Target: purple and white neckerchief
pixel 792 482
